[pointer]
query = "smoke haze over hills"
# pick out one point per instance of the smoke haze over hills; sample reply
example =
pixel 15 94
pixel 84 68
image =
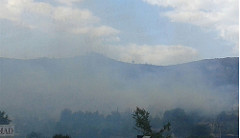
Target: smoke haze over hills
pixel 93 82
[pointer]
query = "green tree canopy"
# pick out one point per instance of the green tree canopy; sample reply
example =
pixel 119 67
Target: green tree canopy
pixel 142 124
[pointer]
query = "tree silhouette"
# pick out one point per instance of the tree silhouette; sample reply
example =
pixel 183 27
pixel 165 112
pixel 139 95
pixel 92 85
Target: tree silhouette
pixel 4 120
pixel 142 124
pixel 61 136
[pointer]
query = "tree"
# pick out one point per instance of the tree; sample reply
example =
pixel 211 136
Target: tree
pixel 61 136
pixel 142 121
pixel 4 120
pixel 181 123
pixel 142 124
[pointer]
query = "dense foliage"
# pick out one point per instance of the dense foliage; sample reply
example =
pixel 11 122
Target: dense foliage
pixel 116 124
pixel 142 123
pixel 61 136
pixel 4 120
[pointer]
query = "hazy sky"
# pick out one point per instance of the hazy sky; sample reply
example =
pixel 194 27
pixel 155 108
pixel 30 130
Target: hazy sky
pixel 158 32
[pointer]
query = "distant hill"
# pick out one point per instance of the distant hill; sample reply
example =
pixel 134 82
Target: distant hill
pixel 94 82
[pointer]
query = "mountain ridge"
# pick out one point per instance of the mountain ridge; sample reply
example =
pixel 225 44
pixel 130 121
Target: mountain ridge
pixel 104 57
pixel 93 82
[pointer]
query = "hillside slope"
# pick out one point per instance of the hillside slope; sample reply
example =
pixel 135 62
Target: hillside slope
pixel 94 82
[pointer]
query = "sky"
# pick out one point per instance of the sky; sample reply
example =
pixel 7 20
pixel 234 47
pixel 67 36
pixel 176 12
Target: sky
pixel 158 32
